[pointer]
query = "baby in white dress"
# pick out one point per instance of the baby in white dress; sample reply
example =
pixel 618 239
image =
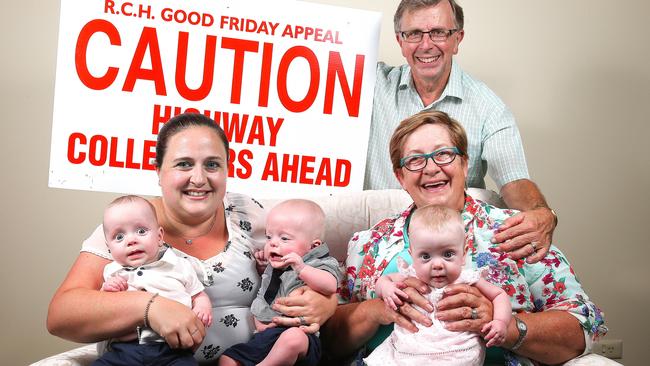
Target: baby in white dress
pixel 437 246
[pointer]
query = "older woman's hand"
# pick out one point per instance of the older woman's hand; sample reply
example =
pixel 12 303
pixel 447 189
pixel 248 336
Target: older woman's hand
pixel 175 322
pixel 527 234
pixel 304 306
pixel 415 289
pixel 455 308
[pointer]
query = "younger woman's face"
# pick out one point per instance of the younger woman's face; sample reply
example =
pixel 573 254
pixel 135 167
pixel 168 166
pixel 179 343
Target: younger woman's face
pixel 193 173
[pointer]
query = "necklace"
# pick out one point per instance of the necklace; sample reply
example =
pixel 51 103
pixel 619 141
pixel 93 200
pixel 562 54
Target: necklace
pixel 189 241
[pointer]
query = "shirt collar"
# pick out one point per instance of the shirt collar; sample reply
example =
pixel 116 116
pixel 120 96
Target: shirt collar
pixel 320 251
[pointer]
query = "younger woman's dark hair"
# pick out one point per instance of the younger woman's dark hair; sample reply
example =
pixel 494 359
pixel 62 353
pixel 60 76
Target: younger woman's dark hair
pixel 179 123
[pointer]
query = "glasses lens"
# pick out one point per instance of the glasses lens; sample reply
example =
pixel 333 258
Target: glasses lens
pixel 438 35
pixel 415 162
pixel 445 156
pixel 412 36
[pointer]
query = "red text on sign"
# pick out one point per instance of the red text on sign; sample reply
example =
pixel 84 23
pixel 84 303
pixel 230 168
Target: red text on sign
pixel 306 169
pixel 148 46
pixel 100 150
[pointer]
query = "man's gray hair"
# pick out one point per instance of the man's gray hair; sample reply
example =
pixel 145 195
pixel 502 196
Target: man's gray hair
pixel 412 5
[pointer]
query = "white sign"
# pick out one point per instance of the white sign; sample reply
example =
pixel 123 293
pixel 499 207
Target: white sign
pixel 291 84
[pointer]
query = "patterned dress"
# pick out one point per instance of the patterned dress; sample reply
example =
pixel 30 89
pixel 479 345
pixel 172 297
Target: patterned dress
pixel 230 277
pixel 431 345
pixel 549 284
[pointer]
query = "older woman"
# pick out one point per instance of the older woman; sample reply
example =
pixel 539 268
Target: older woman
pixel 217 231
pixel 555 320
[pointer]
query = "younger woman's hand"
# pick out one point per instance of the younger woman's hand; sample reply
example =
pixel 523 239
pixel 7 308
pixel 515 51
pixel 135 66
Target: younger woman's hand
pixel 304 302
pixel 176 323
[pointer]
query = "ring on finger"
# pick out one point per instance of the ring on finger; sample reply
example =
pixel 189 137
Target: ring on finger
pixel 302 320
pixel 474 314
pixel 534 245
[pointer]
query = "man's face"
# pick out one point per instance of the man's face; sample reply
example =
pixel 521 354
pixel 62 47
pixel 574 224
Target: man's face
pixel 430 61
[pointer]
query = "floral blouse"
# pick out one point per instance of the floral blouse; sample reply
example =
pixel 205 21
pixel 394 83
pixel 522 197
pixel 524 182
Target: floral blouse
pixel 549 284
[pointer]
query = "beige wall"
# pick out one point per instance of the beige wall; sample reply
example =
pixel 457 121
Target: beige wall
pixel 575 73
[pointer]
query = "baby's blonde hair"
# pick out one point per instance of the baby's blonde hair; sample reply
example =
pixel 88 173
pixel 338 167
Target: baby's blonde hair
pixel 128 199
pixel 316 217
pixel 436 218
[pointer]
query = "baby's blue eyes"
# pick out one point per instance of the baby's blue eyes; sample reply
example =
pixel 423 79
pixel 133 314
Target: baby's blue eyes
pixel 283 238
pixel 140 231
pixel 446 255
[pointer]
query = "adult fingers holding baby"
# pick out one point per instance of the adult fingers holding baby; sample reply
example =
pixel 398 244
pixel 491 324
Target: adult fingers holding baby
pixel 171 320
pixel 415 289
pixel 311 305
pixel 464 308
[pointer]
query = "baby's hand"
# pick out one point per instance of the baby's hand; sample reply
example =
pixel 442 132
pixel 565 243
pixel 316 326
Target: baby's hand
pixel 204 314
pixel 202 307
pixel 264 326
pixel 494 332
pixel 390 292
pixel 115 284
pixel 295 261
pixel 260 261
pixel 311 328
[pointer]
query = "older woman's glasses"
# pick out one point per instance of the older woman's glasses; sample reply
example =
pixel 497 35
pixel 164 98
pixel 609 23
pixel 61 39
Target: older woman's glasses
pixel 441 157
pixel 436 35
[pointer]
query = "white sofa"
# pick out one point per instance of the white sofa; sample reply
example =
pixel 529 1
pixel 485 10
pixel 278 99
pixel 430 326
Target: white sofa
pixel 346 214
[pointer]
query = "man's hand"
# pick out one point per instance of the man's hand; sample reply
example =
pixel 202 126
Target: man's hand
pixel 528 234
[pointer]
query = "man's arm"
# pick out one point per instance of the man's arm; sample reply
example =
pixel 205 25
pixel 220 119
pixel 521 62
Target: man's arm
pixel 535 223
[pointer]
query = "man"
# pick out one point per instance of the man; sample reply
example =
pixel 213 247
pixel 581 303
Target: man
pixel 429 33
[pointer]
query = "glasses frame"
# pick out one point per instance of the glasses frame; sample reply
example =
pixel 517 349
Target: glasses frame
pixel 428 156
pixel 448 33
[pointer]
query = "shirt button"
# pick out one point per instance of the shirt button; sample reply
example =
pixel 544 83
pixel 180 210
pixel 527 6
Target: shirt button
pixel 139 273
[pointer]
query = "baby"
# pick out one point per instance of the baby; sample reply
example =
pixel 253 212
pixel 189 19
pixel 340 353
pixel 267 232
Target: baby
pixel 296 256
pixel 141 262
pixel 437 246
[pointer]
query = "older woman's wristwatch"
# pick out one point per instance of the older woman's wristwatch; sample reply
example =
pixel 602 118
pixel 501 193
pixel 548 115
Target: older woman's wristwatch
pixel 523 330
